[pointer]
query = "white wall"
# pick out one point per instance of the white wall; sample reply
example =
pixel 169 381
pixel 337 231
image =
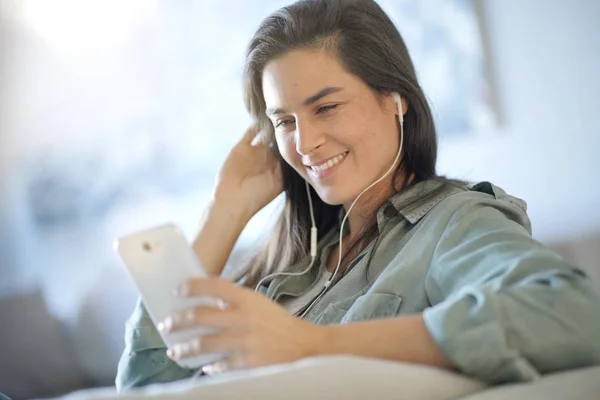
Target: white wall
pixel 546 59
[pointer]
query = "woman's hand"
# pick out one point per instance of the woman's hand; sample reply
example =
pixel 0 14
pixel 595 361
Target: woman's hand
pixel 250 176
pixel 252 330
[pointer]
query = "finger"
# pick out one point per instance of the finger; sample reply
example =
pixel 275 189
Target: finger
pixel 205 316
pixel 217 367
pixel 250 134
pixel 232 362
pixel 226 343
pixel 229 292
pixel 238 360
pixel 257 138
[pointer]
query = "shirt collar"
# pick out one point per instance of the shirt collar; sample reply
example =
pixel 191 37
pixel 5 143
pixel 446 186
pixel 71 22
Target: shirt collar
pixel 414 202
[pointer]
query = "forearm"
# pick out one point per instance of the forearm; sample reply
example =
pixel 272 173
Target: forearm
pixel 399 339
pixel 220 228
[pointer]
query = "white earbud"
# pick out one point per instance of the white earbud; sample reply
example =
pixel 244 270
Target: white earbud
pixel 398 100
pixel 313 230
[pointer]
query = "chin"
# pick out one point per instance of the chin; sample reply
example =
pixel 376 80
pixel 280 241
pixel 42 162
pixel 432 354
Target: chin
pixel 332 197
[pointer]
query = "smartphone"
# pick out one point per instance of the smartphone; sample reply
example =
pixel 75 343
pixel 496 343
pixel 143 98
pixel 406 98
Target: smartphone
pixel 158 260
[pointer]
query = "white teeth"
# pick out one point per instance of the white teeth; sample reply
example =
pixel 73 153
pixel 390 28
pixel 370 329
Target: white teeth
pixel 328 164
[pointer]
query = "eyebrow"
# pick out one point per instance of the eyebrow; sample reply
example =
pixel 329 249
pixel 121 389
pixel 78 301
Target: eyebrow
pixel 311 100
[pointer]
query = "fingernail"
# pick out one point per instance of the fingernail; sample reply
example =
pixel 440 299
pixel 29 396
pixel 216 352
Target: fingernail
pixel 182 349
pixel 221 305
pixel 180 290
pixel 189 315
pixel 170 354
pixel 178 350
pixel 196 345
pixel 166 325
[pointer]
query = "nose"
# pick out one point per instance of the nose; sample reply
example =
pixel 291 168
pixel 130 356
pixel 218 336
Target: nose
pixel 308 138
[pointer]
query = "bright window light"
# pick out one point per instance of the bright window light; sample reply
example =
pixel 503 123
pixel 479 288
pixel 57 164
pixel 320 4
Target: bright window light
pixel 75 25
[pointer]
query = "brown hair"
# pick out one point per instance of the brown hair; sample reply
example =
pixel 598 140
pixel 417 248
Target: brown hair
pixel 368 45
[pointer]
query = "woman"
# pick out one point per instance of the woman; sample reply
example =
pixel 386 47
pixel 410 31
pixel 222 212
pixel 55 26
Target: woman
pixel 428 270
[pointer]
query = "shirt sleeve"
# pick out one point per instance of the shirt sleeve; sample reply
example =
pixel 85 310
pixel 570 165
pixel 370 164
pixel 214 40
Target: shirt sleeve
pixel 504 307
pixel 144 360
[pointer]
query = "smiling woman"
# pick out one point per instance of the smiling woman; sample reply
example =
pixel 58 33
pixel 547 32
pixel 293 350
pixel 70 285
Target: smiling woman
pixel 324 93
pixel 330 114
pixel 432 271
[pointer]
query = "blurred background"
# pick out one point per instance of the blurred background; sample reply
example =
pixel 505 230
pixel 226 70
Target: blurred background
pixel 116 114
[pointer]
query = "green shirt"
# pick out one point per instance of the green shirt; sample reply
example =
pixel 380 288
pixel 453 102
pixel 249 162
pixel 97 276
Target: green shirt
pixel 499 304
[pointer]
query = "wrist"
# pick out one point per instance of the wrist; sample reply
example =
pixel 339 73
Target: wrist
pixel 229 210
pixel 220 227
pixel 322 341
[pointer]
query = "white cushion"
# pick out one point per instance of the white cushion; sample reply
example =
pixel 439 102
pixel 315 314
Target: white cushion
pixel 580 384
pixel 319 378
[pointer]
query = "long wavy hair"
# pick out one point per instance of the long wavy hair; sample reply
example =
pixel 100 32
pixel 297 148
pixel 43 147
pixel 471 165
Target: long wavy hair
pixel 367 43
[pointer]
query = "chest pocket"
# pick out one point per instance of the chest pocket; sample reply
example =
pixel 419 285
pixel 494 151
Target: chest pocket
pixel 364 308
pixel 373 306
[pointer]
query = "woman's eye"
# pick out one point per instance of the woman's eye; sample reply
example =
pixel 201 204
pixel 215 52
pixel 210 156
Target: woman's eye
pixel 324 109
pixel 283 122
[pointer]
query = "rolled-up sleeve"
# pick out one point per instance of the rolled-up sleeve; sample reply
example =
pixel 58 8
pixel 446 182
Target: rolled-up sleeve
pixel 505 308
pixel 144 360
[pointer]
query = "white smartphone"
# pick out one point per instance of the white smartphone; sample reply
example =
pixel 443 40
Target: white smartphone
pixel 158 260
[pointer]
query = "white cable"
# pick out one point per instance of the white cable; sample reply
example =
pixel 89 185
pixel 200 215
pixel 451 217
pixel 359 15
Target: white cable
pixel 313 246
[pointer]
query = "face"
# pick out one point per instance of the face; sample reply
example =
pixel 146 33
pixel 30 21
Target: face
pixel 330 126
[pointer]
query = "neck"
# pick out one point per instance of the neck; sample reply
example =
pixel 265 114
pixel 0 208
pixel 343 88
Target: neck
pixel 367 205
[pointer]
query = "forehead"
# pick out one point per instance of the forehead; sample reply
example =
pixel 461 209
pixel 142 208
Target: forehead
pixel 289 80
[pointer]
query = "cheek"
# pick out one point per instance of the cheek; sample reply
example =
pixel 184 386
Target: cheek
pixel 287 149
pixel 361 137
pixel 374 133
pixel 358 128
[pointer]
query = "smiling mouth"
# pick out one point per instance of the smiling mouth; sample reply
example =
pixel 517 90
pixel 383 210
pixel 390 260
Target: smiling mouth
pixel 329 163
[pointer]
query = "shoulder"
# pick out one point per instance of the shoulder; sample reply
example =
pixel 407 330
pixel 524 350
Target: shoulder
pixel 482 200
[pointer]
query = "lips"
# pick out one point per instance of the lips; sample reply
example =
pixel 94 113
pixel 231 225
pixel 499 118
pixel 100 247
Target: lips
pixel 327 167
pixel 328 163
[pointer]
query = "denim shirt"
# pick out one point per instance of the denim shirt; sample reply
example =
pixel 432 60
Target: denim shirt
pixel 501 306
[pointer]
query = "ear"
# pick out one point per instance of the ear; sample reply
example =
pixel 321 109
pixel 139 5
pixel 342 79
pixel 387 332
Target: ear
pixel 398 98
pixel 404 105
